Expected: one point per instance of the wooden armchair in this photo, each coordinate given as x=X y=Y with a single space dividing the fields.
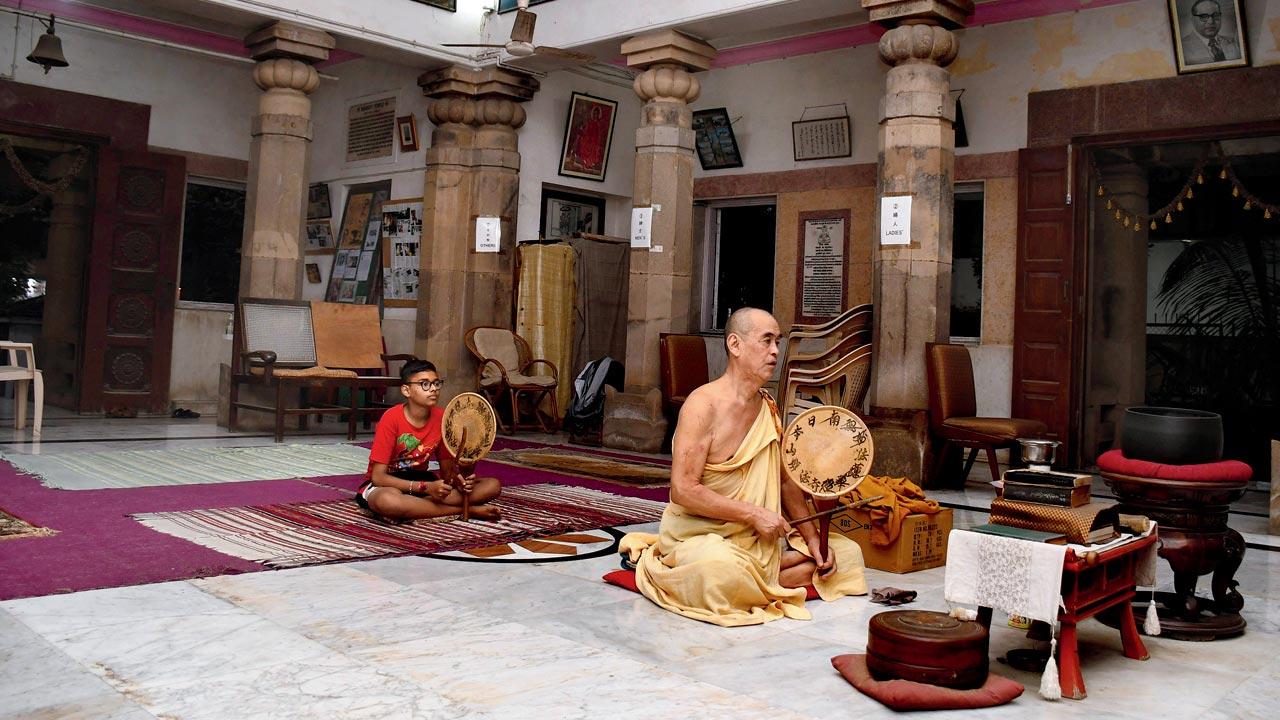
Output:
x=287 y=346
x=953 y=409
x=683 y=367
x=508 y=372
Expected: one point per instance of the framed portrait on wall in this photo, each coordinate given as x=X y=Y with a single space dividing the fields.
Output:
x=714 y=140
x=450 y=5
x=1208 y=34
x=587 y=135
x=564 y=214
x=407 y=133
x=318 y=202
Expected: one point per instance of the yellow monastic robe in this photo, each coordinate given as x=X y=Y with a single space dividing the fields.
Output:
x=722 y=572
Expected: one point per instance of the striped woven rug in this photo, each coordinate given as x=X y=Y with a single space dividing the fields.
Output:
x=189 y=466
x=292 y=535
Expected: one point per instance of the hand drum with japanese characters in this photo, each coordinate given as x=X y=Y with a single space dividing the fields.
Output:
x=827 y=451
x=468 y=415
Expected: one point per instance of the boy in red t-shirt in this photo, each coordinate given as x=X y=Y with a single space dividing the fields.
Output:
x=398 y=484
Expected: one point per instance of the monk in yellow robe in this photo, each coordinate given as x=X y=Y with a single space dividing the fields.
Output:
x=725 y=553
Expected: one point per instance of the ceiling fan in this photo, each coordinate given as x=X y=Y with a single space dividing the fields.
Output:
x=521 y=43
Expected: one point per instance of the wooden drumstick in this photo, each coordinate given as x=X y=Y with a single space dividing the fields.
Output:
x=458 y=469
x=836 y=509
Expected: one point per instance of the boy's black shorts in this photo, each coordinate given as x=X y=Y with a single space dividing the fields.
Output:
x=410 y=475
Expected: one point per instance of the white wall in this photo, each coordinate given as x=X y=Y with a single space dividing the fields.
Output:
x=198 y=103
x=542 y=139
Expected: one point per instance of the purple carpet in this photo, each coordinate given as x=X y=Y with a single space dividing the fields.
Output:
x=98 y=545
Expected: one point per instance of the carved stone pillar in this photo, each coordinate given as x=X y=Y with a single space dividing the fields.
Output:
x=61 y=330
x=276 y=200
x=660 y=280
x=912 y=291
x=473 y=170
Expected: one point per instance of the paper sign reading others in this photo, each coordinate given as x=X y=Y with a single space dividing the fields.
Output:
x=641 y=227
x=488 y=234
x=895 y=220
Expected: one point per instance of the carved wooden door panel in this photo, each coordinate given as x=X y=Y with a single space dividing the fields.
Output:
x=1047 y=329
x=132 y=281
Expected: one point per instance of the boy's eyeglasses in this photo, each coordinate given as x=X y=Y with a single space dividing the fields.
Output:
x=428 y=384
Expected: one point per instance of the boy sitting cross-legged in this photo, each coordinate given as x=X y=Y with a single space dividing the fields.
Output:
x=398 y=484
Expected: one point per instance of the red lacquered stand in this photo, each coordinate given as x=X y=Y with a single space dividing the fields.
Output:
x=1093 y=584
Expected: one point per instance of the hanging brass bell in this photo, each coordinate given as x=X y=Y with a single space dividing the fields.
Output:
x=48 y=50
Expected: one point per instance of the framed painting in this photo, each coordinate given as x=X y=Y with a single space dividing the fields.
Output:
x=1207 y=34
x=564 y=214
x=714 y=140
x=587 y=135
x=318 y=207
x=407 y=132
x=450 y=5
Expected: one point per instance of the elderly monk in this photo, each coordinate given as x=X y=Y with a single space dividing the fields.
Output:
x=725 y=553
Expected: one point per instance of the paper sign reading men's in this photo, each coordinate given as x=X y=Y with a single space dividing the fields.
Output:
x=895 y=220
x=488 y=234
x=641 y=227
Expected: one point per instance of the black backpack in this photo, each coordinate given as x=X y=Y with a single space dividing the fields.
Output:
x=586 y=411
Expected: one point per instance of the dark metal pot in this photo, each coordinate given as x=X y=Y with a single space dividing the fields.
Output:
x=1172 y=436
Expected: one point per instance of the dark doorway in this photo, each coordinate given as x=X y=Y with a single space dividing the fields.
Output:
x=744 y=259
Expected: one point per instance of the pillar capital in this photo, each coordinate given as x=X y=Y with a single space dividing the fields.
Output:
x=668 y=47
x=286 y=74
x=289 y=40
x=946 y=13
x=486 y=83
x=921 y=44
x=490 y=96
x=667 y=82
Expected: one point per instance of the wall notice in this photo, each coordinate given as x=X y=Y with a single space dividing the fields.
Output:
x=823 y=288
x=371 y=129
x=895 y=220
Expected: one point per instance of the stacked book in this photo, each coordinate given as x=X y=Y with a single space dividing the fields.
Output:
x=1054 y=503
x=1047 y=487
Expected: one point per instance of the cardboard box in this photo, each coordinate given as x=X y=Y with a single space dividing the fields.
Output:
x=921 y=545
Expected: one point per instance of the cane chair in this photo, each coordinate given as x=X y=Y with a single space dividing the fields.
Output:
x=508 y=374
x=24 y=375
x=953 y=410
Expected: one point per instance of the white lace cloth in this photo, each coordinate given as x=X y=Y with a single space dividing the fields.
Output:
x=1015 y=576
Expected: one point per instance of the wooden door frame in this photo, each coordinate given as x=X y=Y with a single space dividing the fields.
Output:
x=1200 y=106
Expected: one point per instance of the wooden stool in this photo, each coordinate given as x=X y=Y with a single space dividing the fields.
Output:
x=927 y=647
x=1191 y=504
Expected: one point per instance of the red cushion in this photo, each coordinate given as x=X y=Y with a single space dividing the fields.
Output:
x=904 y=695
x=1223 y=471
x=626 y=579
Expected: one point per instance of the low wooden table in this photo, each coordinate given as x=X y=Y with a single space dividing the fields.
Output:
x=1097 y=583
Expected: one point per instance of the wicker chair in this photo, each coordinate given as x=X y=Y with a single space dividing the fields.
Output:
x=507 y=372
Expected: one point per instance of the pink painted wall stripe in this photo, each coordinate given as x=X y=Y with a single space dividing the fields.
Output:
x=156 y=29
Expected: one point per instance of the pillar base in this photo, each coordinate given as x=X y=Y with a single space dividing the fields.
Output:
x=902 y=444
x=634 y=420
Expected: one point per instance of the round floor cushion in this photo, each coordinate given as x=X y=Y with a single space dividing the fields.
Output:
x=904 y=695
x=927 y=647
x=1223 y=471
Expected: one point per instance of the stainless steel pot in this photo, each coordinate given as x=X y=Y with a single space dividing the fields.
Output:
x=1038 y=452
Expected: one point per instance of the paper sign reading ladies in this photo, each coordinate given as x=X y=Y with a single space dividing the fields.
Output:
x=895 y=220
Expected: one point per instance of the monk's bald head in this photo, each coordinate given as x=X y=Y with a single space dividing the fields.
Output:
x=741 y=322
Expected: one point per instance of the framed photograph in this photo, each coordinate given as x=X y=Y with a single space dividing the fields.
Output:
x=318 y=202
x=564 y=214
x=821 y=139
x=407 y=133
x=313 y=273
x=1208 y=34
x=587 y=135
x=319 y=236
x=450 y=5
x=713 y=137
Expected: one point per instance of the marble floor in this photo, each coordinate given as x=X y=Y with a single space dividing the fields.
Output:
x=438 y=638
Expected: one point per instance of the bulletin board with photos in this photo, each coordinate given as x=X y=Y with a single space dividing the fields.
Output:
x=401 y=252
x=356 y=274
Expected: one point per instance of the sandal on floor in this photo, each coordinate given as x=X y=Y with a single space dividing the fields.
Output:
x=185 y=414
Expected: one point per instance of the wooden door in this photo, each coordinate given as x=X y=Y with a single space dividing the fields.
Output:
x=133 y=272
x=1047 y=327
